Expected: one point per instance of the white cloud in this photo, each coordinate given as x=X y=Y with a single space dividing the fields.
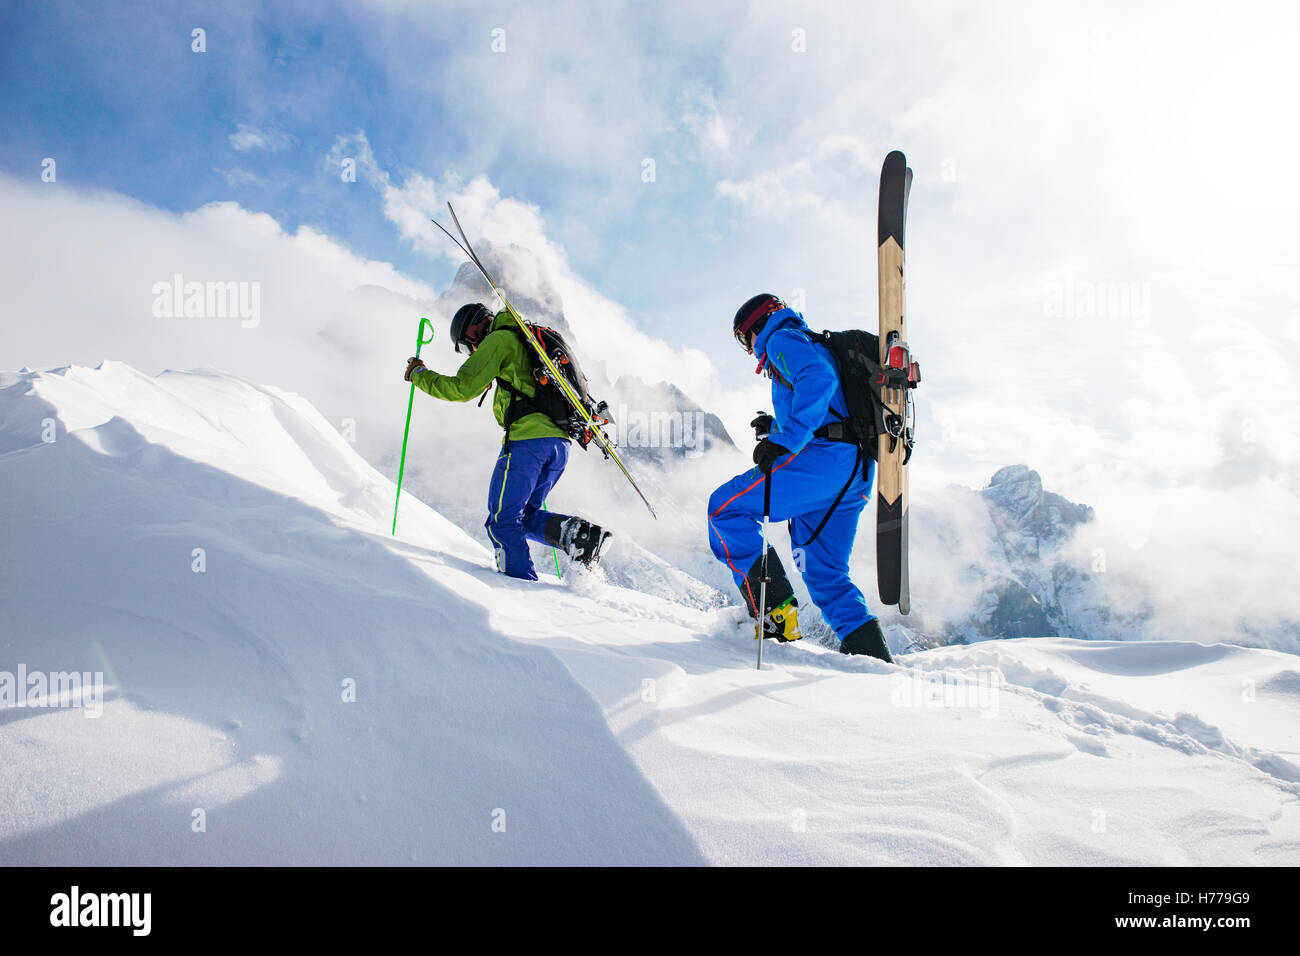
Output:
x=570 y=87
x=246 y=138
x=604 y=327
x=703 y=118
x=237 y=177
x=823 y=183
x=409 y=206
x=334 y=326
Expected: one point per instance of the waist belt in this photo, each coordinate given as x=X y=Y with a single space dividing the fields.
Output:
x=835 y=431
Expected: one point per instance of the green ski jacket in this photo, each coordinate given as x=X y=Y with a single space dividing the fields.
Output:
x=503 y=355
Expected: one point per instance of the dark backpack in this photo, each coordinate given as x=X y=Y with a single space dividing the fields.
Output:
x=855 y=356
x=862 y=377
x=548 y=399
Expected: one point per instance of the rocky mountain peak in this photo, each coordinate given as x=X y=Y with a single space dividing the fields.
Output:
x=1030 y=520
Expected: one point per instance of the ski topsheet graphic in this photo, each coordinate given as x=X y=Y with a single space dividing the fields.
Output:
x=896 y=439
x=593 y=427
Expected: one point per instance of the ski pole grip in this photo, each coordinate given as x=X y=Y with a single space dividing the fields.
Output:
x=420 y=340
x=767 y=494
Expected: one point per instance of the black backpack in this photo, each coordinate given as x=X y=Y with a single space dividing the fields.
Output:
x=862 y=377
x=548 y=399
x=855 y=353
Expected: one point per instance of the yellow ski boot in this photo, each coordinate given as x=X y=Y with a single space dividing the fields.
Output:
x=781 y=623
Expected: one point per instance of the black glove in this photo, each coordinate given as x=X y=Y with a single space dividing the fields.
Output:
x=412 y=364
x=762 y=426
x=766 y=453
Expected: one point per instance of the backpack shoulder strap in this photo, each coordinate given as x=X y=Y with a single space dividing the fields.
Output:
x=518 y=406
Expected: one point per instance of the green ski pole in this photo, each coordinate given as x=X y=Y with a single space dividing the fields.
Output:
x=555 y=554
x=420 y=340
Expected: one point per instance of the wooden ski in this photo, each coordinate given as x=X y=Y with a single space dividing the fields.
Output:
x=896 y=441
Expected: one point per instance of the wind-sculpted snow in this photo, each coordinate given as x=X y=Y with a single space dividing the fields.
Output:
x=284 y=682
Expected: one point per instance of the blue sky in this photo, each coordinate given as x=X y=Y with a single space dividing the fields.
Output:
x=123 y=103
x=116 y=95
x=766 y=125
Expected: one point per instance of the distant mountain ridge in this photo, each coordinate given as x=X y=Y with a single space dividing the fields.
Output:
x=1022 y=578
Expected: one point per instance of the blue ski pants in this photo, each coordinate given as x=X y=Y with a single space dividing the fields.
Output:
x=804 y=486
x=525 y=472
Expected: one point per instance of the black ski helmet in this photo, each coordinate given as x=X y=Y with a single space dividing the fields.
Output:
x=752 y=316
x=465 y=323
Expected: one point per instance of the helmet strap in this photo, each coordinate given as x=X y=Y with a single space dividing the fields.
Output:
x=761 y=311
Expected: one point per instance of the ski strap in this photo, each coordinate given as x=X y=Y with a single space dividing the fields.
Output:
x=834 y=504
x=519 y=405
x=844 y=431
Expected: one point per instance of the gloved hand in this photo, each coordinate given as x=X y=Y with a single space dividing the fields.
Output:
x=766 y=453
x=762 y=425
x=412 y=364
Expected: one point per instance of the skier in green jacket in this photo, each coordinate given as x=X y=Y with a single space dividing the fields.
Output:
x=535 y=449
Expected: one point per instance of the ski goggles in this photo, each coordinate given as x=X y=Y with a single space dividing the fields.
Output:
x=474 y=334
x=761 y=311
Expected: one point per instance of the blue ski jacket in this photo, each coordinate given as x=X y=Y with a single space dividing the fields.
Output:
x=806 y=389
x=818 y=474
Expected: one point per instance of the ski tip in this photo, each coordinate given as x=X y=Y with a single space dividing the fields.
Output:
x=895 y=183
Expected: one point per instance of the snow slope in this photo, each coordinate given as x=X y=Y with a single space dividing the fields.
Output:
x=501 y=722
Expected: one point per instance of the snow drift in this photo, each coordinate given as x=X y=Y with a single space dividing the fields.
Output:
x=286 y=683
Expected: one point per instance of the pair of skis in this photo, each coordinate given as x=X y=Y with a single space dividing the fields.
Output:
x=579 y=406
x=895 y=448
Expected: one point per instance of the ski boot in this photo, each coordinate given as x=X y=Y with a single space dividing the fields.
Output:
x=868 y=639
x=782 y=619
x=580 y=539
x=781 y=623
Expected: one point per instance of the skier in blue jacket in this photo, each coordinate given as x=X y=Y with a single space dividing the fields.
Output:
x=808 y=471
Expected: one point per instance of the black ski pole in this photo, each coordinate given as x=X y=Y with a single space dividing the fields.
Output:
x=762 y=586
